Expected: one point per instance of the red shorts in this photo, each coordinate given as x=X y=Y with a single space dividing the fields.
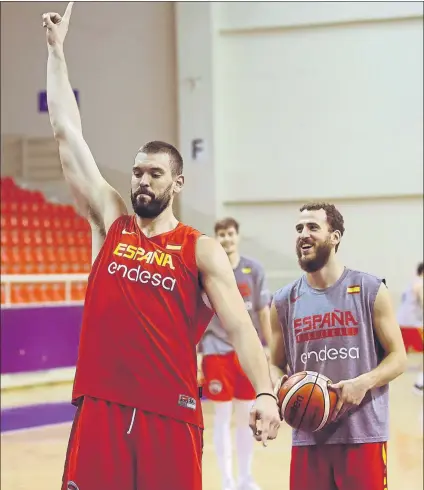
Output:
x=225 y=379
x=412 y=338
x=113 y=447
x=339 y=467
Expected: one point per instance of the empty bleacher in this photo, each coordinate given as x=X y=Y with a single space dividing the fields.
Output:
x=41 y=237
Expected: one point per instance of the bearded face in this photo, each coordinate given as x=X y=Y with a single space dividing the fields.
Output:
x=315 y=240
x=312 y=254
x=148 y=205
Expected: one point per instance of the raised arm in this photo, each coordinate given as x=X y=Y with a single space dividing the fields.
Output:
x=221 y=288
x=95 y=198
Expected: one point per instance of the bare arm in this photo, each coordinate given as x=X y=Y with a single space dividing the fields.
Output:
x=95 y=198
x=277 y=347
x=221 y=288
x=388 y=333
x=265 y=325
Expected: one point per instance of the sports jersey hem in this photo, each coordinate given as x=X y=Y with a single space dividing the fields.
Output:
x=366 y=440
x=77 y=398
x=221 y=354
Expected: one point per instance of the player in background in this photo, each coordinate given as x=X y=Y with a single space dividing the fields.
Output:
x=223 y=378
x=410 y=318
x=139 y=421
x=339 y=322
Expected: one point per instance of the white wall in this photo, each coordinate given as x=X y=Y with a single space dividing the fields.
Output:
x=195 y=42
x=121 y=57
x=316 y=100
x=233 y=16
x=322 y=112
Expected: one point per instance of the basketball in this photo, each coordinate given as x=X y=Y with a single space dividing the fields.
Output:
x=305 y=401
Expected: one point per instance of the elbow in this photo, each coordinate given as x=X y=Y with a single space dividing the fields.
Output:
x=403 y=361
x=57 y=124
x=58 y=132
x=62 y=130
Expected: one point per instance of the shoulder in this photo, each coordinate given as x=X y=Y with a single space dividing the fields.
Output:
x=208 y=249
x=369 y=285
x=211 y=257
x=253 y=264
x=364 y=279
x=282 y=296
x=363 y=276
x=187 y=230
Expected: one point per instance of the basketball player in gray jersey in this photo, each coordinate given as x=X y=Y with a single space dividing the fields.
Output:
x=410 y=317
x=224 y=381
x=341 y=323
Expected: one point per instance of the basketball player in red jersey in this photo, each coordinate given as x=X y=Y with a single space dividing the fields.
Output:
x=139 y=422
x=339 y=322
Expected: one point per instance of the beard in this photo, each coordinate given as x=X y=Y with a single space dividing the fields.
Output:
x=318 y=260
x=155 y=206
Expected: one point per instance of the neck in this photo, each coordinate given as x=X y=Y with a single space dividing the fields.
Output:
x=163 y=223
x=327 y=276
x=234 y=259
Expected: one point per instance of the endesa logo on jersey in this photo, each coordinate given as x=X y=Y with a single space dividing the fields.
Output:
x=329 y=354
x=139 y=274
x=334 y=323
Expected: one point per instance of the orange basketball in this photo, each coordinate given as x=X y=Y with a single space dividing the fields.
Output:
x=306 y=402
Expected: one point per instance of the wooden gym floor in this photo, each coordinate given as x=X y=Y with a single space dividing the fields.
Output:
x=33 y=458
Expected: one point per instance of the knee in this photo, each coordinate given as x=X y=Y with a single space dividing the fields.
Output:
x=223 y=411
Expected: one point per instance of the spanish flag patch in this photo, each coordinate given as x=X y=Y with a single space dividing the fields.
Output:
x=353 y=289
x=173 y=247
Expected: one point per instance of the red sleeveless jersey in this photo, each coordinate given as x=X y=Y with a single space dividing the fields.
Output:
x=143 y=317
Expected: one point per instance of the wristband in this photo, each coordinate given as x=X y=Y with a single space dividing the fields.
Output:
x=268 y=394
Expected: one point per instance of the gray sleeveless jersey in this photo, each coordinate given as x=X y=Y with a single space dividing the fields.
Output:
x=410 y=313
x=250 y=278
x=331 y=331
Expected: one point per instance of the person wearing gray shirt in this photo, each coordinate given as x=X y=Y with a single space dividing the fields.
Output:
x=223 y=379
x=339 y=322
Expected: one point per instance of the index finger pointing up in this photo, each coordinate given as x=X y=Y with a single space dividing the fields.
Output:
x=68 y=11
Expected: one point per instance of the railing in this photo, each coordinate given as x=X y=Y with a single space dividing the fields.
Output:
x=67 y=279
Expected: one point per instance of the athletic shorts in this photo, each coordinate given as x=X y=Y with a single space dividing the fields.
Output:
x=225 y=379
x=412 y=338
x=113 y=447
x=339 y=467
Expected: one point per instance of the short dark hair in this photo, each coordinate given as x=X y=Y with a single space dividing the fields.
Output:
x=334 y=217
x=175 y=157
x=420 y=269
x=225 y=223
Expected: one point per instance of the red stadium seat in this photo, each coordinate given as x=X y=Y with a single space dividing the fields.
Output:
x=41 y=237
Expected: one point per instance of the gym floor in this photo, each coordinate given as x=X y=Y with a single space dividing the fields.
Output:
x=36 y=425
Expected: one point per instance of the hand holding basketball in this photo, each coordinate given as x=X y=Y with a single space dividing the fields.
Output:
x=350 y=394
x=57 y=26
x=264 y=419
x=304 y=400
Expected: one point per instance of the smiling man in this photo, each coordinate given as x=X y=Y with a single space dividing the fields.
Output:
x=339 y=322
